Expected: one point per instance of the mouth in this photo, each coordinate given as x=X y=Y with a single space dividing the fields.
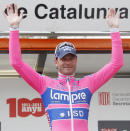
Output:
x=68 y=67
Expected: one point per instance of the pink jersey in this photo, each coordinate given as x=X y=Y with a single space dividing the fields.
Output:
x=66 y=100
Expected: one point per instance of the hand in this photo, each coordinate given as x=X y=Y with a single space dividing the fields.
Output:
x=112 y=19
x=12 y=16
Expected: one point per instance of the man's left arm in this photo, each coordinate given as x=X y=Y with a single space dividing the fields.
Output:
x=116 y=62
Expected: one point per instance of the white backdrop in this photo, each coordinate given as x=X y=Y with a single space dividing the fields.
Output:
x=118 y=91
x=67 y=16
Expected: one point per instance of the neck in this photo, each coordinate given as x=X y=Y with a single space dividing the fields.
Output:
x=64 y=75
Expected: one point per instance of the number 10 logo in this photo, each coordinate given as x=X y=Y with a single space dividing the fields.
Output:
x=24 y=107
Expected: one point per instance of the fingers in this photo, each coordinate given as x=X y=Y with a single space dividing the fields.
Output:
x=114 y=13
x=21 y=15
x=108 y=14
x=4 y=14
x=111 y=13
x=8 y=10
x=16 y=9
x=11 y=9
x=11 y=14
x=112 y=18
x=118 y=16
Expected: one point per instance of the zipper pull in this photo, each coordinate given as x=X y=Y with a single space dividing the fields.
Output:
x=68 y=79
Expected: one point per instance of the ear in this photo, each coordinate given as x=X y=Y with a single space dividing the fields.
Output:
x=55 y=61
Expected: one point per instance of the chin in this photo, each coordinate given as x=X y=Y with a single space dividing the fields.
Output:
x=67 y=72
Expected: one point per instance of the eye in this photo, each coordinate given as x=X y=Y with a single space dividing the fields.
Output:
x=63 y=59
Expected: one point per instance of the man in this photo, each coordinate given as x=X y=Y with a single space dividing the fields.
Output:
x=66 y=100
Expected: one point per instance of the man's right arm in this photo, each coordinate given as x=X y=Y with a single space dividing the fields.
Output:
x=27 y=73
x=34 y=79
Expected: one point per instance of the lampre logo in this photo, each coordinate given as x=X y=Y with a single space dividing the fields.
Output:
x=65 y=96
x=25 y=107
x=104 y=98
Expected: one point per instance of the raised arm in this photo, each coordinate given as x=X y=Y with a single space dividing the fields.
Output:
x=27 y=73
x=103 y=75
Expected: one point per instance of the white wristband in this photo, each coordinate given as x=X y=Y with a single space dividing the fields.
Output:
x=14 y=28
x=114 y=30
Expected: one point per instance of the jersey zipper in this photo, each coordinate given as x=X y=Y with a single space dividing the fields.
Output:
x=70 y=100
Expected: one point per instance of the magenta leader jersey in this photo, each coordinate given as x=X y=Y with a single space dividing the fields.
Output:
x=66 y=100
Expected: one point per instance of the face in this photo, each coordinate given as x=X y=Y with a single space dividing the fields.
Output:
x=67 y=64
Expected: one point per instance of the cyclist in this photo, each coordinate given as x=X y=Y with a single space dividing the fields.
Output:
x=66 y=100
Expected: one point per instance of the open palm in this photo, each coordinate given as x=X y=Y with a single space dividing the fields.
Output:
x=12 y=16
x=112 y=19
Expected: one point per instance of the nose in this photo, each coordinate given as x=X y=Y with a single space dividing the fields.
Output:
x=68 y=61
